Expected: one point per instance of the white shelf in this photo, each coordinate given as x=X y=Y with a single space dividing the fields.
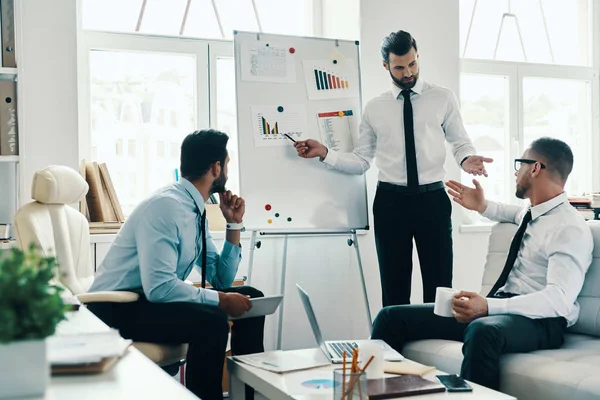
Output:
x=8 y=71
x=10 y=159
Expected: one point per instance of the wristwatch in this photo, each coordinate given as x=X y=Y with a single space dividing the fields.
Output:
x=232 y=226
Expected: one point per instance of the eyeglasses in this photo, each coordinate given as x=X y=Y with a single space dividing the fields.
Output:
x=520 y=161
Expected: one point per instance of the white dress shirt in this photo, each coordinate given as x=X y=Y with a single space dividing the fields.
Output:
x=436 y=119
x=553 y=259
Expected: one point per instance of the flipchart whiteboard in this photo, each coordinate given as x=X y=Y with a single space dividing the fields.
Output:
x=307 y=88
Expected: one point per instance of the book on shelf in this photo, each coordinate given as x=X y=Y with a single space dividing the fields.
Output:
x=101 y=205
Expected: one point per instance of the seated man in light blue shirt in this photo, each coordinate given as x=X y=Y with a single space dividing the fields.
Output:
x=155 y=251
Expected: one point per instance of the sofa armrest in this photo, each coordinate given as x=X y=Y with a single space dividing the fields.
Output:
x=110 y=297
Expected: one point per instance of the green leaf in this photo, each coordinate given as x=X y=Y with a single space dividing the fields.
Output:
x=30 y=305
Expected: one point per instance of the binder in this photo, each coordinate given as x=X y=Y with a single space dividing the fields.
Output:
x=9 y=145
x=7 y=11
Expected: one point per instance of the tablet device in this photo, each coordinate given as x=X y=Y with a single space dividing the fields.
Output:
x=261 y=306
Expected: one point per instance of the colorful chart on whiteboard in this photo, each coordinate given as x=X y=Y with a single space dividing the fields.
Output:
x=328 y=80
x=267 y=63
x=272 y=123
x=336 y=129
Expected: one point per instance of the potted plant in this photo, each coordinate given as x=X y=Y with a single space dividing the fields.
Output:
x=30 y=309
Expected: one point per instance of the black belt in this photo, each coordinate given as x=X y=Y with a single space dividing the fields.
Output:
x=390 y=187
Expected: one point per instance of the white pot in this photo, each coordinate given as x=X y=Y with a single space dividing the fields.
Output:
x=24 y=370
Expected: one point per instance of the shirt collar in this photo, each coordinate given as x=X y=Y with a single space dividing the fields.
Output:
x=543 y=208
x=194 y=193
x=418 y=88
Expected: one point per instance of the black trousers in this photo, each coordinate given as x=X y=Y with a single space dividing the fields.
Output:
x=399 y=218
x=484 y=339
x=204 y=327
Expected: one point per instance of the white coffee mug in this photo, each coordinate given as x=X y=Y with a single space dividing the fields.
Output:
x=375 y=368
x=443 y=301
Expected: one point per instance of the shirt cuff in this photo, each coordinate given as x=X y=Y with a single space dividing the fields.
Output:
x=497 y=306
x=211 y=297
x=490 y=209
x=331 y=157
x=231 y=251
x=460 y=155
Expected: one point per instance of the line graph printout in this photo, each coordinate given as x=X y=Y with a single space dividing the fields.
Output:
x=335 y=128
x=270 y=124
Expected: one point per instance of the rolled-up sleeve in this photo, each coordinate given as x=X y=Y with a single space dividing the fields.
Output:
x=157 y=241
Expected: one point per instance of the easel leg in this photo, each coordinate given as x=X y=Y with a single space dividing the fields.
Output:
x=282 y=291
x=362 y=279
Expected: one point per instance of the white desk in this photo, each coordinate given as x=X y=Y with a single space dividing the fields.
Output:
x=133 y=376
x=289 y=386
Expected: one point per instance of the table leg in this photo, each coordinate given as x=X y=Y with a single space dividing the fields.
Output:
x=237 y=388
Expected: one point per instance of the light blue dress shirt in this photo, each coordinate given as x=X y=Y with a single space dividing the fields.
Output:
x=159 y=245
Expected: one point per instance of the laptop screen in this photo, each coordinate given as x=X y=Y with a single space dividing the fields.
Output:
x=312 y=319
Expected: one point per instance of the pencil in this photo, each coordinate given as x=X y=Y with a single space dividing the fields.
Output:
x=289 y=137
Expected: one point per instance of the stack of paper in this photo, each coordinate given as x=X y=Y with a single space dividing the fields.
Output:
x=282 y=361
x=85 y=348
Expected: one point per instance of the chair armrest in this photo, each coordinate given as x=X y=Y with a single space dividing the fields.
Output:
x=110 y=297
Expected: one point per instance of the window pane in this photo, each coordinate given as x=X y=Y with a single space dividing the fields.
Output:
x=142 y=106
x=202 y=21
x=286 y=17
x=163 y=17
x=226 y=117
x=110 y=15
x=486 y=118
x=547 y=31
x=561 y=108
x=236 y=15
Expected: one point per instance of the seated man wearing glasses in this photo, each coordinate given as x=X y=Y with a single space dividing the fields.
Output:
x=534 y=299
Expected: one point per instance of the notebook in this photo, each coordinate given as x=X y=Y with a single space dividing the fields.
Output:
x=401 y=386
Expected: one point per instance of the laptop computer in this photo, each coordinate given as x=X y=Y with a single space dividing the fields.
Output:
x=334 y=349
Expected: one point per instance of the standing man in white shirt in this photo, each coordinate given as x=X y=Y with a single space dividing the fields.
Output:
x=535 y=298
x=405 y=129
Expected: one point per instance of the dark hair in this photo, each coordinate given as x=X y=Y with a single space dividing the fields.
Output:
x=200 y=150
x=557 y=155
x=398 y=43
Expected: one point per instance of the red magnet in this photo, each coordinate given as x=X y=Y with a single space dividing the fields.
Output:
x=268 y=207
x=292 y=50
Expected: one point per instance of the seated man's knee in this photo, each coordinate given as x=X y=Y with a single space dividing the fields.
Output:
x=481 y=329
x=381 y=323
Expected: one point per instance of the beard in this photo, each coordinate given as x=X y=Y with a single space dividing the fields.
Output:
x=521 y=190
x=404 y=84
x=218 y=185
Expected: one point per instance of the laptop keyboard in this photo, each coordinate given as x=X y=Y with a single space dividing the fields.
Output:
x=339 y=347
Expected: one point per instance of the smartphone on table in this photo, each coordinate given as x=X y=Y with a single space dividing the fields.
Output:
x=454 y=383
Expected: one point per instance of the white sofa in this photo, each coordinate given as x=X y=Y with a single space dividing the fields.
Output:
x=571 y=372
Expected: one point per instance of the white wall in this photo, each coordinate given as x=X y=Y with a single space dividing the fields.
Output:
x=47 y=98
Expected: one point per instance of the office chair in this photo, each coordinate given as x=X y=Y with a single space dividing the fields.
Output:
x=61 y=231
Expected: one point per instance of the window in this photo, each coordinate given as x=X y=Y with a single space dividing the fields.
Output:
x=539 y=81
x=147 y=80
x=209 y=19
x=143 y=102
x=537 y=31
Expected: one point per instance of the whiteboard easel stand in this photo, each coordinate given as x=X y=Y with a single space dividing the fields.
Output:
x=353 y=241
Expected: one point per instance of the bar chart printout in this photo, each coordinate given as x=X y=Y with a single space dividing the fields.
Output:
x=270 y=125
x=336 y=130
x=326 y=80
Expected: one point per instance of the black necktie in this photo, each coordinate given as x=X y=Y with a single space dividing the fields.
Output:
x=203 y=252
x=512 y=254
x=412 y=174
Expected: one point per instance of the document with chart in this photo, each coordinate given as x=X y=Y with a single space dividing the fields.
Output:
x=336 y=129
x=328 y=80
x=271 y=123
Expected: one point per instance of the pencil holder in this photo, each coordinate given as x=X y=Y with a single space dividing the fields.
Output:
x=349 y=386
